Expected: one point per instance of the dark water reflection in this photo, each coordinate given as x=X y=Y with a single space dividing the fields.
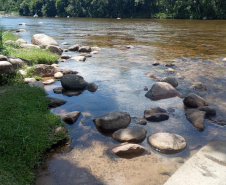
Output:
x=196 y=47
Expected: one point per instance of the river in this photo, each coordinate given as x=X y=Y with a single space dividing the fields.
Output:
x=195 y=47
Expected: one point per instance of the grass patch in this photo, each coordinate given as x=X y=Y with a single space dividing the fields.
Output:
x=8 y=36
x=27 y=130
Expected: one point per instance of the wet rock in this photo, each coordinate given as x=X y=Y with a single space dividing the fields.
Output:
x=92 y=87
x=58 y=75
x=95 y=49
x=129 y=46
x=43 y=40
x=6 y=67
x=131 y=135
x=193 y=101
x=196 y=117
x=170 y=70
x=170 y=80
x=79 y=58
x=58 y=90
x=3 y=58
x=129 y=150
x=198 y=86
x=67 y=71
x=28 y=80
x=74 y=47
x=113 y=121
x=66 y=50
x=161 y=90
x=16 y=62
x=73 y=82
x=85 y=55
x=145 y=88
x=142 y=122
x=84 y=49
x=71 y=93
x=21 y=41
x=55 y=102
x=37 y=84
x=167 y=143
x=156 y=114
x=170 y=65
x=54 y=49
x=155 y=63
x=64 y=43
x=48 y=82
x=21 y=30
x=66 y=56
x=29 y=46
x=44 y=70
x=210 y=111
x=71 y=117
x=23 y=24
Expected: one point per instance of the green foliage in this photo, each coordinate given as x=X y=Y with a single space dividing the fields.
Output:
x=27 y=130
x=11 y=78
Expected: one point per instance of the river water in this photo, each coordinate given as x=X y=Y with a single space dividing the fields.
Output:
x=195 y=47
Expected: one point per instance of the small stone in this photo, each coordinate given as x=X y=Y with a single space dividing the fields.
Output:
x=84 y=49
x=58 y=90
x=58 y=75
x=73 y=82
x=71 y=117
x=21 y=30
x=22 y=72
x=170 y=70
x=16 y=62
x=85 y=55
x=63 y=60
x=55 y=102
x=193 y=101
x=198 y=86
x=21 y=41
x=197 y=118
x=92 y=87
x=170 y=65
x=79 y=58
x=48 y=82
x=145 y=88
x=74 y=47
x=94 y=52
x=130 y=47
x=55 y=65
x=170 y=80
x=142 y=122
x=95 y=49
x=65 y=56
x=64 y=43
x=54 y=49
x=23 y=24
x=66 y=50
x=210 y=111
x=155 y=63
x=156 y=114
x=28 y=80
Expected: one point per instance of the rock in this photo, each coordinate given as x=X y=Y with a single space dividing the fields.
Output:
x=113 y=121
x=161 y=90
x=142 y=122
x=21 y=41
x=167 y=143
x=129 y=150
x=66 y=56
x=22 y=72
x=58 y=90
x=71 y=93
x=145 y=88
x=170 y=65
x=21 y=30
x=210 y=111
x=48 y=82
x=43 y=40
x=37 y=84
x=29 y=46
x=63 y=60
x=130 y=47
x=79 y=58
x=170 y=80
x=95 y=49
x=155 y=63
x=54 y=49
x=55 y=102
x=156 y=114
x=85 y=55
x=73 y=82
x=92 y=87
x=94 y=52
x=71 y=117
x=55 y=65
x=224 y=59
x=84 y=49
x=64 y=43
x=196 y=117
x=74 y=47
x=23 y=24
x=66 y=50
x=198 y=86
x=16 y=62
x=170 y=70
x=44 y=70
x=3 y=58
x=193 y=101
x=58 y=75
x=67 y=71
x=131 y=135
x=28 y=80
x=6 y=67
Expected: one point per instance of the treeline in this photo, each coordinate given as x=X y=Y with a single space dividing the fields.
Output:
x=177 y=9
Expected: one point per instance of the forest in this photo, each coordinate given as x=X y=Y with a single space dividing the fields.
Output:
x=171 y=9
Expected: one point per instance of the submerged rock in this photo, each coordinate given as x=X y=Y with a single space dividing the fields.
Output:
x=199 y=86
x=193 y=101
x=71 y=117
x=156 y=114
x=73 y=82
x=170 y=80
x=210 y=111
x=142 y=122
x=55 y=102
x=113 y=121
x=167 y=143
x=92 y=87
x=58 y=90
x=43 y=40
x=131 y=135
x=197 y=118
x=161 y=90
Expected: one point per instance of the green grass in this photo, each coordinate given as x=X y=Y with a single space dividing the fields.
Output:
x=26 y=132
x=8 y=36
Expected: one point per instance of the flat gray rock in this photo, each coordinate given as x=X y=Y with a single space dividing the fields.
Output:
x=55 y=102
x=131 y=135
x=73 y=82
x=197 y=118
x=113 y=121
x=193 y=101
x=162 y=90
x=156 y=114
x=167 y=143
x=43 y=40
x=71 y=117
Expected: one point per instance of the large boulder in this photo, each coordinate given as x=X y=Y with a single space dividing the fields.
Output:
x=71 y=117
x=131 y=135
x=193 y=101
x=129 y=150
x=44 y=70
x=197 y=118
x=167 y=143
x=43 y=40
x=84 y=49
x=73 y=82
x=162 y=90
x=16 y=62
x=156 y=114
x=113 y=121
x=170 y=80
x=6 y=67
x=74 y=47
x=55 y=49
